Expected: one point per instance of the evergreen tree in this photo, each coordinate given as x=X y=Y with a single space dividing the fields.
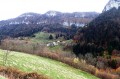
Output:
x=50 y=37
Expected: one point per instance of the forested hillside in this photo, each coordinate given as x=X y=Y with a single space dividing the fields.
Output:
x=99 y=42
x=103 y=33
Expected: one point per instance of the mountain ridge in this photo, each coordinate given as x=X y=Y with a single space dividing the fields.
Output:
x=65 y=19
x=29 y=23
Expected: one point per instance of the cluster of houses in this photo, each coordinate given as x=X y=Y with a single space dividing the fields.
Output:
x=54 y=43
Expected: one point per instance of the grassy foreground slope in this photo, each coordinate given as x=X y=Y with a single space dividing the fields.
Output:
x=51 y=68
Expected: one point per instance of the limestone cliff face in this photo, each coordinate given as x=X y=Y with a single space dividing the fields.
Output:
x=112 y=4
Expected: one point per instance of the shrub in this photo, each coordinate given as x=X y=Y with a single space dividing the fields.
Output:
x=90 y=59
x=50 y=37
x=13 y=73
x=100 y=65
x=105 y=75
x=112 y=64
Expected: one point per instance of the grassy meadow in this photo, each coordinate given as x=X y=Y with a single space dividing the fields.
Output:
x=51 y=68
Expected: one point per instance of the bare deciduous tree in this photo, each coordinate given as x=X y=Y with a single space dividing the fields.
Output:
x=6 y=53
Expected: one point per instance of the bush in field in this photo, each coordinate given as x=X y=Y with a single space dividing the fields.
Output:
x=90 y=59
x=76 y=49
x=100 y=65
x=81 y=56
x=13 y=73
x=112 y=64
x=104 y=75
x=50 y=37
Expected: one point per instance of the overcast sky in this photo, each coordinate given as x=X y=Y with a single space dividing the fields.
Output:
x=13 y=8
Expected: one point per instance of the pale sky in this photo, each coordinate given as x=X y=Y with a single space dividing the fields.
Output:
x=14 y=8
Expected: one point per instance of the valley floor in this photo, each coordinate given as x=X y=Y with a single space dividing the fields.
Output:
x=51 y=68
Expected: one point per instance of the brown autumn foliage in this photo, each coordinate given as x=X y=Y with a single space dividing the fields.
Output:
x=81 y=66
x=12 y=73
x=118 y=70
x=104 y=75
